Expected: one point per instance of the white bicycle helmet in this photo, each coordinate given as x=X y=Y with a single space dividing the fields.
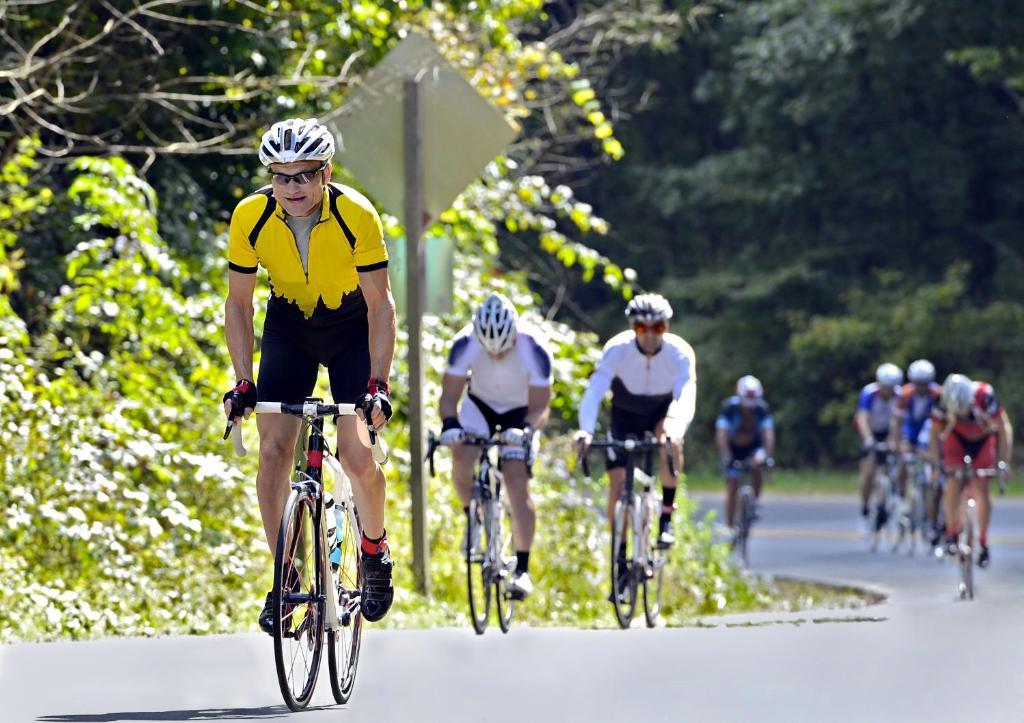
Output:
x=889 y=374
x=296 y=139
x=921 y=371
x=957 y=394
x=648 y=308
x=749 y=389
x=495 y=324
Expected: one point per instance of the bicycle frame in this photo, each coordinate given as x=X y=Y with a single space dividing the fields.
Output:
x=329 y=590
x=638 y=509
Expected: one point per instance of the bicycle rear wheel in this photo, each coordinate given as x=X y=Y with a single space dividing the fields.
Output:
x=478 y=569
x=505 y=564
x=298 y=600
x=344 y=643
x=624 y=581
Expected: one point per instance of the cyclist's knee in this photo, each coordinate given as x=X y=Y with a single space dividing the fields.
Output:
x=359 y=463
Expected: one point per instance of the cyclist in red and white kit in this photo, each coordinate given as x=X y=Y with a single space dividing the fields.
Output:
x=968 y=420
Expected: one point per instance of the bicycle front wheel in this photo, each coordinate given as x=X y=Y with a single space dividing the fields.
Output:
x=744 y=514
x=653 y=576
x=504 y=560
x=343 y=643
x=624 y=582
x=298 y=599
x=478 y=568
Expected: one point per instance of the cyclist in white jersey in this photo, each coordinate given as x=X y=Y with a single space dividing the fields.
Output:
x=509 y=377
x=653 y=379
x=876 y=408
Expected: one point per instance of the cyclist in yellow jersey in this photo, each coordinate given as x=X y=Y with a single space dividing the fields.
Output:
x=331 y=304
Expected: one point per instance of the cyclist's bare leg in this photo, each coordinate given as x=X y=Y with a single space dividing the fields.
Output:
x=904 y=469
x=524 y=517
x=756 y=478
x=278 y=435
x=984 y=501
x=953 y=486
x=731 y=485
x=368 y=484
x=867 y=471
x=616 y=479
x=462 y=472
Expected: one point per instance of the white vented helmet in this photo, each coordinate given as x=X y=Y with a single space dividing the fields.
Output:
x=648 y=308
x=495 y=324
x=921 y=371
x=749 y=389
x=296 y=139
x=889 y=374
x=957 y=394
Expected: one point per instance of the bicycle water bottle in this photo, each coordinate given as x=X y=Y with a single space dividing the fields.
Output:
x=333 y=530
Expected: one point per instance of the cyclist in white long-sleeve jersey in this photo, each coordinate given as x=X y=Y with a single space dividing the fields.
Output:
x=652 y=376
x=509 y=377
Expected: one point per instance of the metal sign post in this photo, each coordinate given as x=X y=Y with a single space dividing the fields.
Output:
x=414 y=276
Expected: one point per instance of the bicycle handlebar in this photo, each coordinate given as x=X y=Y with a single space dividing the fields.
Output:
x=310 y=411
x=629 y=446
x=470 y=440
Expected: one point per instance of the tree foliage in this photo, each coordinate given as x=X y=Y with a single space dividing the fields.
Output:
x=839 y=176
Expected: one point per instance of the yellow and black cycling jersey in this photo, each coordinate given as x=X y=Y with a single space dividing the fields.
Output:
x=347 y=239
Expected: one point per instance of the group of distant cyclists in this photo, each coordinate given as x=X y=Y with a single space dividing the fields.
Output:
x=940 y=426
x=331 y=304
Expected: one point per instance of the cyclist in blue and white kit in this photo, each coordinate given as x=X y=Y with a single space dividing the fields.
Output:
x=874 y=422
x=509 y=377
x=653 y=379
x=912 y=417
x=744 y=431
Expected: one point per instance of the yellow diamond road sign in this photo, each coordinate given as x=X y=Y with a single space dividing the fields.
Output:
x=462 y=131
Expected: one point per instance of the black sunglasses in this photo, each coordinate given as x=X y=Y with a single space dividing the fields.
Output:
x=301 y=178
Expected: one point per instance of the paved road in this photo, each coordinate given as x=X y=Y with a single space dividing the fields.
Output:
x=923 y=657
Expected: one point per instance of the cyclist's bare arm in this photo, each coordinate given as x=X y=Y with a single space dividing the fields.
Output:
x=538 y=407
x=451 y=392
x=722 y=441
x=238 y=329
x=1004 y=437
x=380 y=315
x=934 y=448
x=861 y=420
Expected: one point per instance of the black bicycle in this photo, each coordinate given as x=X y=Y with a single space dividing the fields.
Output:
x=306 y=604
x=490 y=557
x=746 y=505
x=637 y=561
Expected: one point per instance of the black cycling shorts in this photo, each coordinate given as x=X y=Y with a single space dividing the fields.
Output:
x=742 y=453
x=294 y=347
x=625 y=423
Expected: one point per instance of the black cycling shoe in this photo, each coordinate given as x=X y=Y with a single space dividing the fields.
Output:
x=621 y=591
x=665 y=537
x=267 y=616
x=983 y=558
x=377 y=593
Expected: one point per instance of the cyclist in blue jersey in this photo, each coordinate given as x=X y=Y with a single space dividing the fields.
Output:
x=874 y=422
x=744 y=432
x=913 y=411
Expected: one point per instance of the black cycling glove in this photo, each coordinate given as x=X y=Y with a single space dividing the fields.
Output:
x=242 y=397
x=377 y=392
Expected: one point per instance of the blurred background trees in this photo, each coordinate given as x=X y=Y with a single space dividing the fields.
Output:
x=817 y=187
